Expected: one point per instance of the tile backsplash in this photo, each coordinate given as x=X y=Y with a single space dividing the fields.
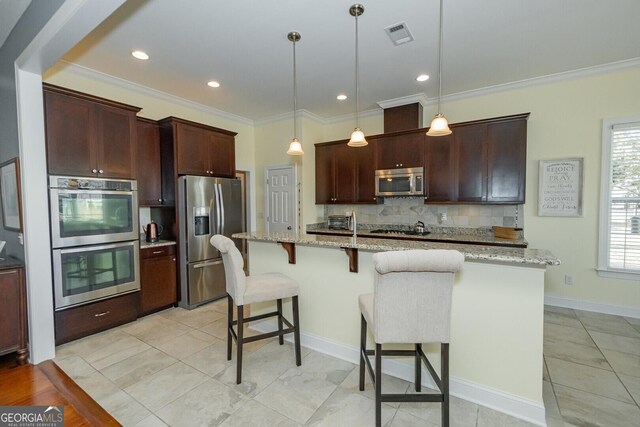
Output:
x=409 y=210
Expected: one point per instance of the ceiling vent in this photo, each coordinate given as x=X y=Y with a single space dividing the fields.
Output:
x=399 y=33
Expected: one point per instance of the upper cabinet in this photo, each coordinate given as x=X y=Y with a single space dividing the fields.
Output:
x=480 y=162
x=149 y=178
x=89 y=136
x=199 y=149
x=344 y=174
x=400 y=151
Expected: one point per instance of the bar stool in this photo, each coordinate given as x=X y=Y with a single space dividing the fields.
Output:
x=243 y=289
x=411 y=304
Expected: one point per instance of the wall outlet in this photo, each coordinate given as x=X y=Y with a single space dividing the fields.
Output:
x=442 y=217
x=568 y=280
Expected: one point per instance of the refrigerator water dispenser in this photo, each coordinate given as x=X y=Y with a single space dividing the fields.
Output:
x=201 y=221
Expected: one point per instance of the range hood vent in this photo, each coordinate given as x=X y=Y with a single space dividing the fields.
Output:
x=399 y=33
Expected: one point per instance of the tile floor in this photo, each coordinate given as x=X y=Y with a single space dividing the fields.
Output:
x=171 y=369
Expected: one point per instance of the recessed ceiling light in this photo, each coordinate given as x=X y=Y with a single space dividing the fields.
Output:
x=422 y=78
x=341 y=97
x=138 y=54
x=213 y=83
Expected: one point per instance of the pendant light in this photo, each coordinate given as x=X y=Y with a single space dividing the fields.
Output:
x=295 y=148
x=357 y=137
x=439 y=124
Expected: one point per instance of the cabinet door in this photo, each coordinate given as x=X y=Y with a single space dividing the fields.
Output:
x=193 y=150
x=440 y=169
x=471 y=163
x=365 y=173
x=506 y=155
x=157 y=283
x=345 y=173
x=401 y=151
x=148 y=157
x=222 y=161
x=70 y=135
x=10 y=320
x=324 y=175
x=116 y=142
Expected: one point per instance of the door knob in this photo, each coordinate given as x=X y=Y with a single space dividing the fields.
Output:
x=289 y=228
x=94 y=170
x=100 y=171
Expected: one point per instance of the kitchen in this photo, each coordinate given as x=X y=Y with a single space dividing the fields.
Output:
x=613 y=88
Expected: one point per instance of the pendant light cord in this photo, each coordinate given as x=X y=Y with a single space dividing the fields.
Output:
x=440 y=60
x=295 y=91
x=357 y=77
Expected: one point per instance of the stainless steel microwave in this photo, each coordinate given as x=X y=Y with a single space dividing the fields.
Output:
x=400 y=182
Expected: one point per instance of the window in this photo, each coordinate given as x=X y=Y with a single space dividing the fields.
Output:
x=619 y=254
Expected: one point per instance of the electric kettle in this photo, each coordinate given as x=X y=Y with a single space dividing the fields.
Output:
x=152 y=232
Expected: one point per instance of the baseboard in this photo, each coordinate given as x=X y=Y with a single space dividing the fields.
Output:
x=598 y=307
x=498 y=400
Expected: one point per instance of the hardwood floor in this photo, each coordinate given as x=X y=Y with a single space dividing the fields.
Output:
x=46 y=384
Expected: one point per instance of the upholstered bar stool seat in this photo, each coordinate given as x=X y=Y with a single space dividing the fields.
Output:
x=243 y=289
x=411 y=304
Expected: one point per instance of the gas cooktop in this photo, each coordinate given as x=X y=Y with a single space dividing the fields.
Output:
x=400 y=232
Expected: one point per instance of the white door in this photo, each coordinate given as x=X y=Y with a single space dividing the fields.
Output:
x=280 y=198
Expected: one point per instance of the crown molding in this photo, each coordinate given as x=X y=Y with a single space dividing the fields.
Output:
x=287 y=115
x=352 y=116
x=145 y=90
x=403 y=100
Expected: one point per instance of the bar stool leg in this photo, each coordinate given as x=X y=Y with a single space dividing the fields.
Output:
x=418 y=383
x=280 y=338
x=239 y=343
x=296 y=332
x=363 y=349
x=444 y=355
x=229 y=325
x=378 y=385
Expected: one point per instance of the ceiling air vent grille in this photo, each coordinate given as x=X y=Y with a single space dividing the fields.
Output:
x=399 y=33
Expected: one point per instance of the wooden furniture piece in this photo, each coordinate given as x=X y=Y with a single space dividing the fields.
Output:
x=89 y=136
x=148 y=159
x=158 y=288
x=258 y=288
x=46 y=384
x=400 y=150
x=345 y=174
x=403 y=117
x=87 y=319
x=394 y=317
x=13 y=310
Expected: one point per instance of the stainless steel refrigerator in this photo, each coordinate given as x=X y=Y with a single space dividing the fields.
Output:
x=207 y=206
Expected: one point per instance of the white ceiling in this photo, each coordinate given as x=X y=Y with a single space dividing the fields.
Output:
x=243 y=45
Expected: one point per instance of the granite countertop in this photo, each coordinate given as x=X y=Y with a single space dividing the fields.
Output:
x=144 y=244
x=472 y=252
x=436 y=235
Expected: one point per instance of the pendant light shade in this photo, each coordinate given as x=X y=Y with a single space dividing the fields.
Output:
x=295 y=147
x=357 y=136
x=439 y=124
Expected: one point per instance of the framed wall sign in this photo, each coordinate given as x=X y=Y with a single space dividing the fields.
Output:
x=560 y=187
x=11 y=201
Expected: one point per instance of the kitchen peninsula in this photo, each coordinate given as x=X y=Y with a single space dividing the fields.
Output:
x=497 y=313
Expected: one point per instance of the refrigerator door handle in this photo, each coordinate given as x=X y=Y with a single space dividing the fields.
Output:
x=222 y=218
x=207 y=264
x=216 y=191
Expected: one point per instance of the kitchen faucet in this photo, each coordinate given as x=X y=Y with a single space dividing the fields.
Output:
x=353 y=222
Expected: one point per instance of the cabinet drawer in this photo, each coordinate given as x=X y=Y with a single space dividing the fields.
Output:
x=78 y=322
x=157 y=251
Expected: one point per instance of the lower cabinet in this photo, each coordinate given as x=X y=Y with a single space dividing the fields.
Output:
x=158 y=287
x=78 y=322
x=13 y=310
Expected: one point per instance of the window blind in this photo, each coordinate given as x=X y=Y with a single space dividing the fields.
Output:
x=624 y=198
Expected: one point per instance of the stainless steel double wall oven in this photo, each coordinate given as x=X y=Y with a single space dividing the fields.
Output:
x=95 y=238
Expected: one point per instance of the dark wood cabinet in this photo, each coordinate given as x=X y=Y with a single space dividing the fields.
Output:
x=149 y=172
x=439 y=169
x=199 y=149
x=400 y=151
x=89 y=136
x=84 y=320
x=344 y=174
x=158 y=287
x=13 y=310
x=480 y=162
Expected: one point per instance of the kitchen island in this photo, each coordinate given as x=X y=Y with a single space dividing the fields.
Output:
x=497 y=313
